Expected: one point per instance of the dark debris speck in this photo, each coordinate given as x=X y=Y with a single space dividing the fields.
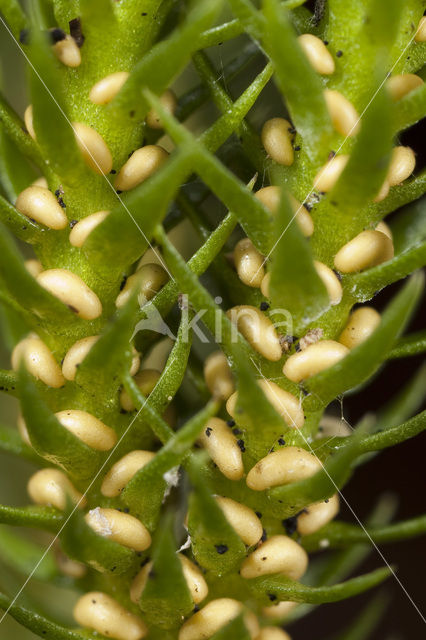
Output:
x=76 y=32
x=221 y=548
x=240 y=443
x=290 y=525
x=338 y=274
x=24 y=36
x=56 y=35
x=264 y=306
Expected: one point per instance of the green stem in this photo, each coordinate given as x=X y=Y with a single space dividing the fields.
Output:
x=40 y=517
x=340 y=535
x=228 y=30
x=411 y=345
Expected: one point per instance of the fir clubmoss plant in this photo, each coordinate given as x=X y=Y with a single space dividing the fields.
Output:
x=183 y=506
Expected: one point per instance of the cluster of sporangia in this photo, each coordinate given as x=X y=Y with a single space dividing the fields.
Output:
x=279 y=553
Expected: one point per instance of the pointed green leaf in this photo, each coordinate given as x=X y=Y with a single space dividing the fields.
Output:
x=295 y=286
x=24 y=555
x=250 y=212
x=387 y=436
x=392 y=436
x=52 y=125
x=410 y=109
x=49 y=438
x=165 y=60
x=174 y=369
x=367 y=284
x=195 y=97
x=253 y=408
x=215 y=544
x=15 y=171
x=145 y=412
x=81 y=543
x=286 y=589
x=364 y=173
x=411 y=345
x=233 y=122
x=220 y=33
x=13 y=126
x=19 y=224
x=199 y=297
x=111 y=354
x=34 y=516
x=144 y=493
x=124 y=235
x=254 y=218
x=361 y=362
x=166 y=599
x=299 y=83
x=249 y=137
x=38 y=624
x=343 y=534
x=228 y=30
x=164 y=300
x=27 y=292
